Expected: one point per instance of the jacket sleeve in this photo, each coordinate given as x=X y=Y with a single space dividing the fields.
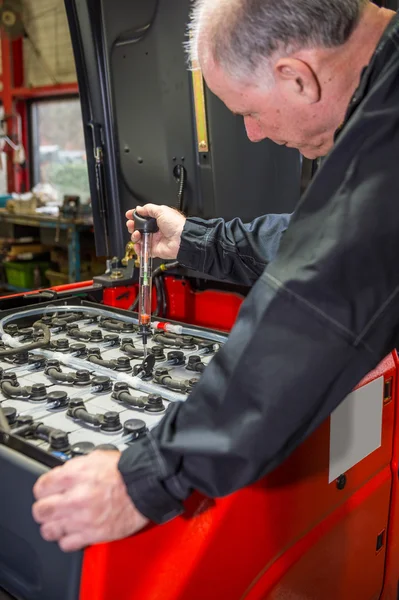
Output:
x=323 y=314
x=234 y=251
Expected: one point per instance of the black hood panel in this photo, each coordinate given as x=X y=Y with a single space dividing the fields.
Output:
x=138 y=112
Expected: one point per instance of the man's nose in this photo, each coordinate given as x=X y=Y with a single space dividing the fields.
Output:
x=253 y=130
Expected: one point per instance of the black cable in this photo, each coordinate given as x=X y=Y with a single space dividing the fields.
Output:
x=82 y=414
x=125 y=397
x=58 y=375
x=181 y=173
x=14 y=391
x=158 y=310
x=158 y=275
x=158 y=271
x=155 y=313
x=116 y=326
x=76 y=334
x=168 y=266
x=132 y=351
x=135 y=303
x=34 y=345
x=164 y=301
x=168 y=342
x=172 y=384
x=108 y=364
x=61 y=320
x=161 y=300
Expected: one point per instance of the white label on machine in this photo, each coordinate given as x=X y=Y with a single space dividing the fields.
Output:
x=356 y=428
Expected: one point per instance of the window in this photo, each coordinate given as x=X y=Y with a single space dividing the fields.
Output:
x=59 y=154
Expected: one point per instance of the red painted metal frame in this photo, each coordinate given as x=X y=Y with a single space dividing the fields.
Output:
x=22 y=173
x=46 y=91
x=8 y=106
x=72 y=287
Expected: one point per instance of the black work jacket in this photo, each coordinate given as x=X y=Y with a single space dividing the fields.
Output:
x=318 y=318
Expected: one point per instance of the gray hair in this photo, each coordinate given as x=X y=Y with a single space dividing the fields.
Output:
x=241 y=34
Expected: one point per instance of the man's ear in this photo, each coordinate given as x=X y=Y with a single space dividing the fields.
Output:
x=297 y=80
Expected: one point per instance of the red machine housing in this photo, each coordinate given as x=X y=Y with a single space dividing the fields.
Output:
x=209 y=308
x=292 y=535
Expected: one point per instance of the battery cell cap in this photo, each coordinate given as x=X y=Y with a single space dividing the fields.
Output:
x=82 y=448
x=58 y=398
x=59 y=440
x=10 y=414
x=78 y=349
x=134 y=428
x=101 y=384
x=106 y=447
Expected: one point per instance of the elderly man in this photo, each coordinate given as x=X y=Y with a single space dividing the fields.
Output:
x=320 y=77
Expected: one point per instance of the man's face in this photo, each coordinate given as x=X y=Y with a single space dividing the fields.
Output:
x=274 y=113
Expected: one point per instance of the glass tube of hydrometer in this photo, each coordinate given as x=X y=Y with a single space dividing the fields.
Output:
x=145 y=286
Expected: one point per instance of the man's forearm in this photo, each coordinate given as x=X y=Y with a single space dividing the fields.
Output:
x=234 y=251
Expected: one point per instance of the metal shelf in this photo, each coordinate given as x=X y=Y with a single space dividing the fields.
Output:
x=74 y=227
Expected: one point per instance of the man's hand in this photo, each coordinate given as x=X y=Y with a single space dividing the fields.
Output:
x=85 y=502
x=165 y=243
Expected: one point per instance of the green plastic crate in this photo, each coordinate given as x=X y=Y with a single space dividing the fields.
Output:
x=22 y=274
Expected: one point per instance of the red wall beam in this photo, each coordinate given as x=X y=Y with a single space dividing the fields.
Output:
x=17 y=58
x=8 y=105
x=22 y=172
x=61 y=89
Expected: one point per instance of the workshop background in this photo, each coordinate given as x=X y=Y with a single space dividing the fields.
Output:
x=46 y=230
x=46 y=224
